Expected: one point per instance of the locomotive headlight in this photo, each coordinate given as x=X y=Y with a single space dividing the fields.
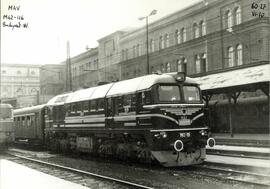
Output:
x=163 y=134
x=203 y=133
x=183 y=135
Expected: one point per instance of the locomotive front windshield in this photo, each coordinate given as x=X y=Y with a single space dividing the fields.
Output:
x=169 y=93
x=172 y=93
x=191 y=94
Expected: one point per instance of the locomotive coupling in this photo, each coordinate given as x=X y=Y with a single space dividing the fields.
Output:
x=211 y=142
x=178 y=145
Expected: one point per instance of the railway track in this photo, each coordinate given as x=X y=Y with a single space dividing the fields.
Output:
x=84 y=178
x=256 y=179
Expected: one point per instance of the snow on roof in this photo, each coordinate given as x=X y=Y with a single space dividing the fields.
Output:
x=239 y=77
x=89 y=94
x=142 y=83
x=27 y=110
x=81 y=95
x=59 y=99
x=117 y=88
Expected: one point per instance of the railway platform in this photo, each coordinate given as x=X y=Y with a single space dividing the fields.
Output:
x=250 y=140
x=13 y=175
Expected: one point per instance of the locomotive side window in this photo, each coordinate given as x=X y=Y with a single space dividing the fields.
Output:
x=120 y=104
x=127 y=100
x=191 y=94
x=86 y=106
x=168 y=93
x=100 y=105
x=145 y=97
x=93 y=105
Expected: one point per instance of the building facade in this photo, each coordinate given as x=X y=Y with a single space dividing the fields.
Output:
x=52 y=78
x=20 y=82
x=209 y=37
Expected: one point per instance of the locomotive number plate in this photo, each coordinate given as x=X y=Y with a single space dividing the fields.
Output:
x=184 y=121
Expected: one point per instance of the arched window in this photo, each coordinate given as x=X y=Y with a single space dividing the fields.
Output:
x=228 y=19
x=152 y=69
x=182 y=65
x=230 y=57
x=19 y=72
x=152 y=45
x=183 y=35
x=195 y=30
x=237 y=13
x=122 y=56
x=202 y=28
x=139 y=50
x=161 y=42
x=33 y=72
x=177 y=37
x=162 y=69
x=197 y=64
x=167 y=44
x=134 y=51
x=168 y=67
x=239 y=54
x=204 y=65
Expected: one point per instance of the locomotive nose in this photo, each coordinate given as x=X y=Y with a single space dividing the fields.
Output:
x=211 y=142
x=178 y=145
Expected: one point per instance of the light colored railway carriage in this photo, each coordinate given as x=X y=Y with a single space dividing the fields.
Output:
x=158 y=116
x=6 y=125
x=29 y=125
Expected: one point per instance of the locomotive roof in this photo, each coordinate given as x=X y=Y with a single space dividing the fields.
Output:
x=117 y=88
x=59 y=99
x=28 y=110
x=90 y=93
x=5 y=106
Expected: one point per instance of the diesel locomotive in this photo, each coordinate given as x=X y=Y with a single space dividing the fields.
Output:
x=157 y=117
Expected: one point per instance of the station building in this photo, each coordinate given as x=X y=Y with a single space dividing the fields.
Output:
x=20 y=84
x=208 y=38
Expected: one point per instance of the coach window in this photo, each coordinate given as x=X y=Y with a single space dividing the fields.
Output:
x=23 y=121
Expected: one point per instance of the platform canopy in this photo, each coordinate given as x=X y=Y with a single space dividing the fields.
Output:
x=245 y=79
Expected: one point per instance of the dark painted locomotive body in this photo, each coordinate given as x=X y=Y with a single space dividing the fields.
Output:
x=154 y=117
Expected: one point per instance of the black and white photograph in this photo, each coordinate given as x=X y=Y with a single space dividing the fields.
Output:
x=147 y=94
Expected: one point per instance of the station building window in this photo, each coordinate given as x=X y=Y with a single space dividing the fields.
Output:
x=182 y=65
x=152 y=45
x=197 y=64
x=195 y=31
x=161 y=42
x=239 y=54
x=202 y=28
x=228 y=19
x=230 y=56
x=177 y=37
x=237 y=13
x=168 y=67
x=204 y=65
x=183 y=35
x=167 y=43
